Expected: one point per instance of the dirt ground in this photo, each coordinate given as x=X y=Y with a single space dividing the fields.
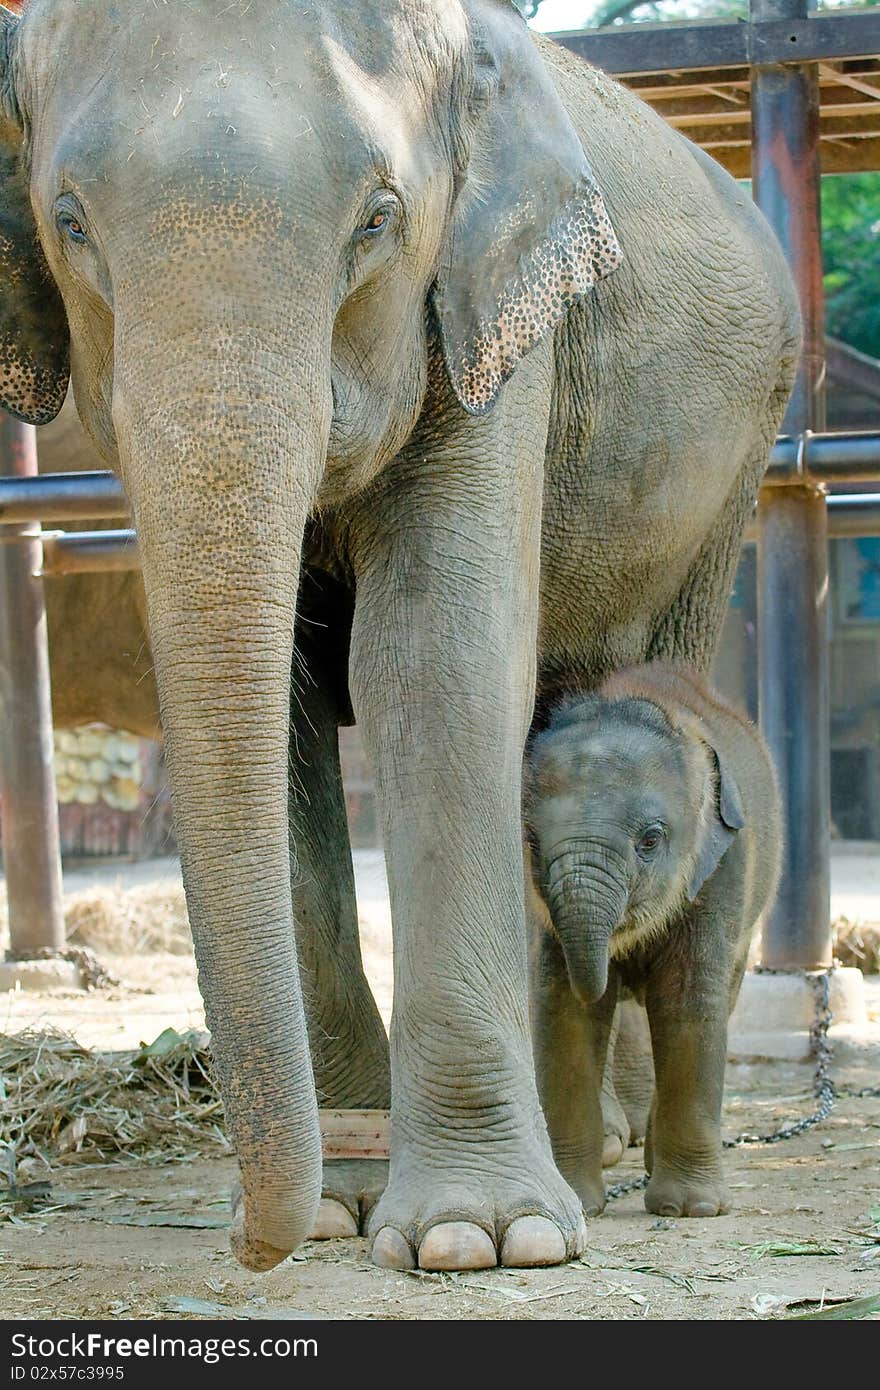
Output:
x=133 y=1239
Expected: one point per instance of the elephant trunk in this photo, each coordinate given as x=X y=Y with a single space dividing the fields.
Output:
x=587 y=901
x=221 y=475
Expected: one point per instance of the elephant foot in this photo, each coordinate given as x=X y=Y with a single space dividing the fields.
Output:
x=460 y=1220
x=587 y=1182
x=673 y=1193
x=351 y=1188
x=615 y=1130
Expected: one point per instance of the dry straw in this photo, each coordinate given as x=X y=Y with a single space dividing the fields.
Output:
x=858 y=944
x=63 y=1104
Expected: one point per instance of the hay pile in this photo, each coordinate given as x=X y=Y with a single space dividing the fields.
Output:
x=858 y=944
x=119 y=921
x=62 y=1104
x=128 y=921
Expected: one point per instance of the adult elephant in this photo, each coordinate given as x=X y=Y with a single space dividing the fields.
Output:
x=332 y=283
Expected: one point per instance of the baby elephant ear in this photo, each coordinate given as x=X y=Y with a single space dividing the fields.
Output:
x=34 y=338
x=529 y=234
x=724 y=819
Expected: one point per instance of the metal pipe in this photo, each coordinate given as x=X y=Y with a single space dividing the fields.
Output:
x=824 y=458
x=94 y=552
x=793 y=652
x=31 y=851
x=849 y=517
x=62 y=497
x=89 y=552
x=813 y=456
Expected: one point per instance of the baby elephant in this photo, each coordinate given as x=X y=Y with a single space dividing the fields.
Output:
x=653 y=828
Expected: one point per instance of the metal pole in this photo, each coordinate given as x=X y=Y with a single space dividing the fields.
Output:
x=62 y=497
x=793 y=524
x=90 y=552
x=31 y=854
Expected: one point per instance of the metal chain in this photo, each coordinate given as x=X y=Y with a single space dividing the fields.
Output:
x=823 y=1086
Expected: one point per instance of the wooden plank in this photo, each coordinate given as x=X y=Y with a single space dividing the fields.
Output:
x=689 y=46
x=838 y=156
x=857 y=84
x=355 y=1133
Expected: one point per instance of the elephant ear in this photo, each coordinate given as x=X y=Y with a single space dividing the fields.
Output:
x=725 y=817
x=529 y=233
x=34 y=337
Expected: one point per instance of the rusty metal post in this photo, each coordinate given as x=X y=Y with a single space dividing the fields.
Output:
x=793 y=523
x=31 y=856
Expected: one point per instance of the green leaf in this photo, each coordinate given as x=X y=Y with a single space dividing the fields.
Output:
x=166 y=1042
x=843 y=1312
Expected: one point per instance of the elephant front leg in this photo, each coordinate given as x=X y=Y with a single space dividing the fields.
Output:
x=687 y=1002
x=571 y=1046
x=347 y=1038
x=443 y=653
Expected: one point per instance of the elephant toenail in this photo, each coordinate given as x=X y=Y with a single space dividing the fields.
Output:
x=457 y=1245
x=704 y=1209
x=391 y=1251
x=580 y=1240
x=333 y=1221
x=533 y=1240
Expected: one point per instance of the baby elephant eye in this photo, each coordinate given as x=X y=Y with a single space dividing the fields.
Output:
x=72 y=227
x=650 y=841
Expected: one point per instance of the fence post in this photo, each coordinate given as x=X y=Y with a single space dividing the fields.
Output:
x=31 y=854
x=793 y=523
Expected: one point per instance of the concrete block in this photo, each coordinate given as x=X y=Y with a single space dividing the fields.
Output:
x=39 y=976
x=774 y=1013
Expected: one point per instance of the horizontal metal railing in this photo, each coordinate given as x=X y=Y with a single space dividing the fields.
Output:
x=841 y=459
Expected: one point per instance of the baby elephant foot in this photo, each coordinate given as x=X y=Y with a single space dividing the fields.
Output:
x=453 y=1222
x=680 y=1194
x=351 y=1188
x=615 y=1129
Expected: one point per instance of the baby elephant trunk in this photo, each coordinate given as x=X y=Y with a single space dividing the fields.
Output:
x=586 y=903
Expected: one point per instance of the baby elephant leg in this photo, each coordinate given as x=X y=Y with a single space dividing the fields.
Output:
x=615 y=1124
x=687 y=1002
x=633 y=1067
x=571 y=1043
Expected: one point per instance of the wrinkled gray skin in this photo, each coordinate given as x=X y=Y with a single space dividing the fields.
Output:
x=295 y=250
x=655 y=836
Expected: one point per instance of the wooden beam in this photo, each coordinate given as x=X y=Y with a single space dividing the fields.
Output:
x=861 y=155
x=676 y=47
x=355 y=1133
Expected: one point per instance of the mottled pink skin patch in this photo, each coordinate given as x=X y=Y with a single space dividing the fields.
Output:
x=580 y=250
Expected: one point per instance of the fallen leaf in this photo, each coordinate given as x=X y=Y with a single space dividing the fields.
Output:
x=201 y=1308
x=843 y=1312
x=167 y=1218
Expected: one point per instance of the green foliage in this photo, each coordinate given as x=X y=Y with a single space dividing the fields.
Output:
x=851 y=253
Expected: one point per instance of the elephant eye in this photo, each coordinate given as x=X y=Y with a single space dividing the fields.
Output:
x=650 y=841
x=378 y=219
x=71 y=225
x=377 y=223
